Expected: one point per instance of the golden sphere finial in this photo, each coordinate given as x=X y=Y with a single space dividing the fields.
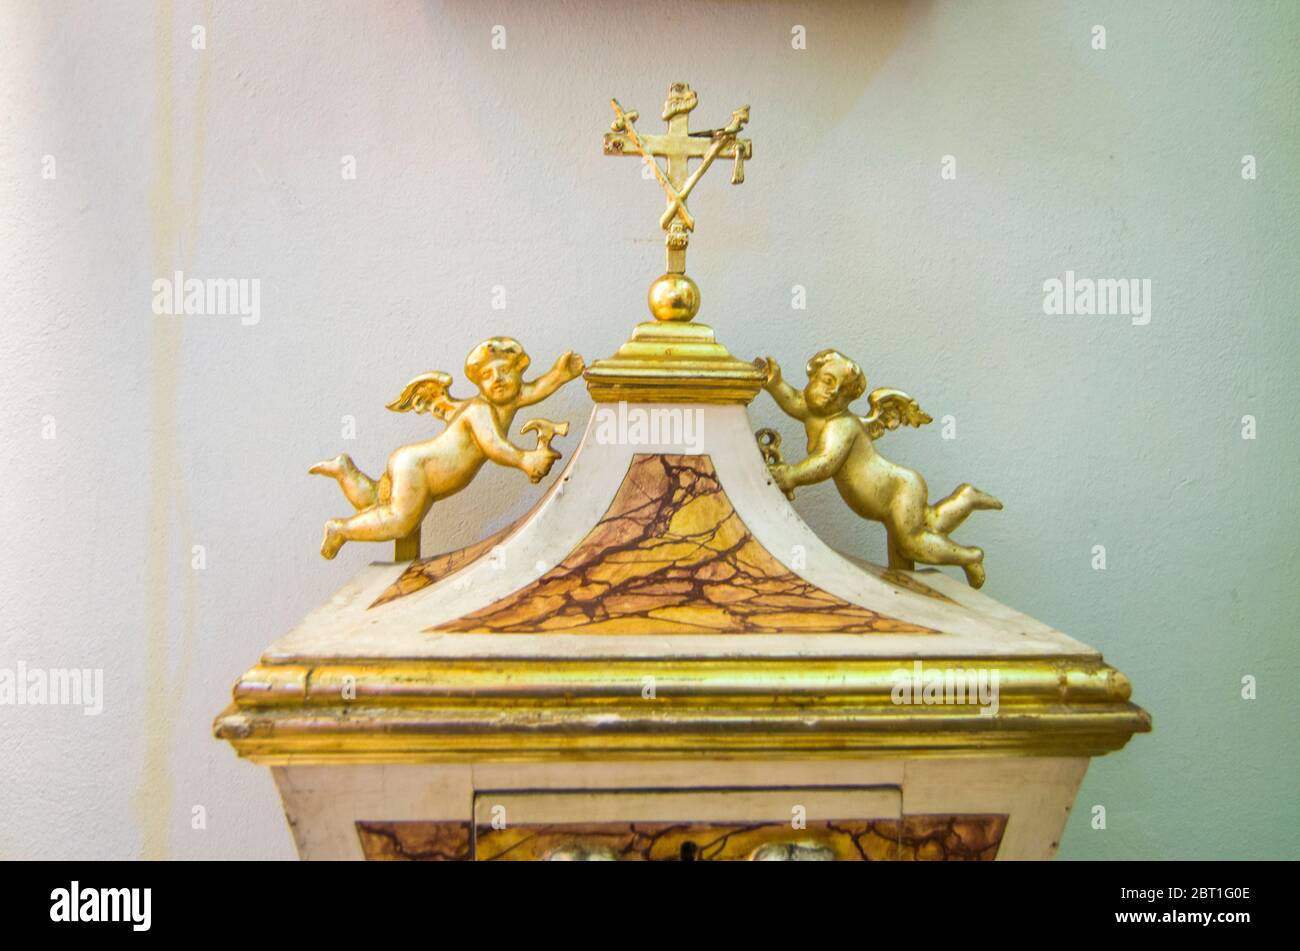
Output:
x=674 y=297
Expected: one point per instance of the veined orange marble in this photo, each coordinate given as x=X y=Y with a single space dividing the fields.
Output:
x=942 y=838
x=425 y=571
x=901 y=579
x=671 y=556
x=415 y=841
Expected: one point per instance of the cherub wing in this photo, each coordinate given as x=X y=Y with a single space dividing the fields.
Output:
x=428 y=393
x=891 y=409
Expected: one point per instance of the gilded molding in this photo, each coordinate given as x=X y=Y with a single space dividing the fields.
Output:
x=545 y=708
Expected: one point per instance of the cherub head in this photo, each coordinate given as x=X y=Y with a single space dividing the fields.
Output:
x=496 y=367
x=834 y=381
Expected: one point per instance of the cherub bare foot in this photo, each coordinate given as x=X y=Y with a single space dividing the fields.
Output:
x=333 y=541
x=330 y=467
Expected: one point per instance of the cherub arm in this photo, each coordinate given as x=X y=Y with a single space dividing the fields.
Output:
x=829 y=453
x=534 y=463
x=787 y=397
x=569 y=366
x=492 y=440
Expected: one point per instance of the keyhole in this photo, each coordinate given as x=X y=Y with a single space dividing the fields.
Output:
x=689 y=852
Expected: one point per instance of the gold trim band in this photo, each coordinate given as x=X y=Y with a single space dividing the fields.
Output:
x=540 y=709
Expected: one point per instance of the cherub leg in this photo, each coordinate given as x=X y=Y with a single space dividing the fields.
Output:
x=360 y=489
x=931 y=548
x=896 y=557
x=907 y=517
x=911 y=539
x=395 y=518
x=946 y=515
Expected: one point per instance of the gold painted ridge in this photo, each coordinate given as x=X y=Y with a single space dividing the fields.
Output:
x=433 y=711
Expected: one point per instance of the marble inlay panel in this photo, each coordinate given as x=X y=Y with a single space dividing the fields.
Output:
x=415 y=841
x=914 y=838
x=671 y=556
x=425 y=571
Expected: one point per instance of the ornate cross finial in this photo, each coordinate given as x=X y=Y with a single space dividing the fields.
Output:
x=675 y=296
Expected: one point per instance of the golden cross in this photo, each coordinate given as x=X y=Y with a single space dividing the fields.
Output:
x=678 y=146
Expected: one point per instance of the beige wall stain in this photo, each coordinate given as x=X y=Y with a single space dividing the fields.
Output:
x=174 y=228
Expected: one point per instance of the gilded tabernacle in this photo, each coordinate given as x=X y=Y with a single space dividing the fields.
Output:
x=661 y=660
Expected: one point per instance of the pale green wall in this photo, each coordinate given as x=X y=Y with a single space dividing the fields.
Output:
x=479 y=168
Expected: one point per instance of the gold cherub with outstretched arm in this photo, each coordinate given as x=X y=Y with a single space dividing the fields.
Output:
x=841 y=446
x=477 y=430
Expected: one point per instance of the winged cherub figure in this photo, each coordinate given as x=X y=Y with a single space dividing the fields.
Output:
x=422 y=473
x=841 y=445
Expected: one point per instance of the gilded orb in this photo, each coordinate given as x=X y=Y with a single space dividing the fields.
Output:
x=674 y=297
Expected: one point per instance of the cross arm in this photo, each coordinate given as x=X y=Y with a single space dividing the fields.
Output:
x=695 y=146
x=746 y=147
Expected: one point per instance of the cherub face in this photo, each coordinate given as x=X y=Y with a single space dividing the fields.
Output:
x=500 y=380
x=496 y=367
x=830 y=385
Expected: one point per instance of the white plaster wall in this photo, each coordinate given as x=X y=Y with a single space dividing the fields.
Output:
x=479 y=167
